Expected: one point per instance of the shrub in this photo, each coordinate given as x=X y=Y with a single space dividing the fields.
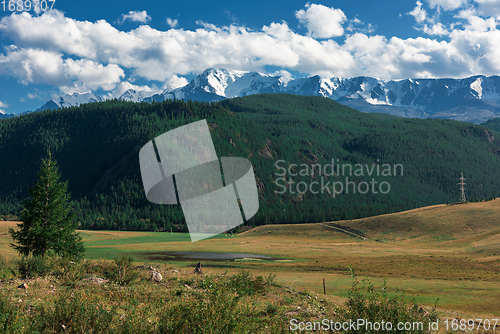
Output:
x=124 y=261
x=73 y=313
x=373 y=307
x=6 y=270
x=215 y=312
x=122 y=274
x=11 y=318
x=69 y=272
x=137 y=321
x=244 y=284
x=35 y=266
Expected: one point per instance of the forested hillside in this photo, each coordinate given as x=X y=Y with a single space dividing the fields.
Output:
x=97 y=148
x=493 y=124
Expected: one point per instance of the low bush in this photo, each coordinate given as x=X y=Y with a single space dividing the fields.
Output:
x=6 y=269
x=215 y=312
x=12 y=319
x=35 y=266
x=75 y=312
x=245 y=284
x=123 y=273
x=377 y=307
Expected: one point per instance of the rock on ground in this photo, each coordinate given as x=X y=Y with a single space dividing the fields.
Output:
x=156 y=276
x=97 y=280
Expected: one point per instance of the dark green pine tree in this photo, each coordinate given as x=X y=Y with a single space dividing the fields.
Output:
x=48 y=220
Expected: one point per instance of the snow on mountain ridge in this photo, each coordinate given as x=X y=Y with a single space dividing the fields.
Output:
x=406 y=97
x=418 y=94
x=135 y=96
x=219 y=79
x=76 y=99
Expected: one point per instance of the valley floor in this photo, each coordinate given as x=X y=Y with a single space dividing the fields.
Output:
x=446 y=252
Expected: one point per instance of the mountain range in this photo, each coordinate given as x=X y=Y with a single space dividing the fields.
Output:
x=4 y=115
x=71 y=100
x=475 y=99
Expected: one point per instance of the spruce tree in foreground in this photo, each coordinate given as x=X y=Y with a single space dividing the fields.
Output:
x=48 y=218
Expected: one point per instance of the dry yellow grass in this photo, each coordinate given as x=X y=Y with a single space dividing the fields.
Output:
x=450 y=252
x=433 y=223
x=5 y=240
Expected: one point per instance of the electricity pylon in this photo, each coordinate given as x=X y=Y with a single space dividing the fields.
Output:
x=462 y=189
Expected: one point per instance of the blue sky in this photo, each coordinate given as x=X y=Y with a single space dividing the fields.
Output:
x=107 y=47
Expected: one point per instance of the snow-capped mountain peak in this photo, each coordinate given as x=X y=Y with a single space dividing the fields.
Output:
x=217 y=80
x=475 y=99
x=76 y=99
x=67 y=100
x=407 y=98
x=135 y=96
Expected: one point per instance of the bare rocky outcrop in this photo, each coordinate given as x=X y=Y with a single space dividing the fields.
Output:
x=266 y=151
x=489 y=136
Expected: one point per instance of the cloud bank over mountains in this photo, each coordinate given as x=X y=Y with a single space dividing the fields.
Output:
x=81 y=56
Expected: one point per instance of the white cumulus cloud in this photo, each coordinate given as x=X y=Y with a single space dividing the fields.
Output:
x=81 y=56
x=429 y=25
x=123 y=86
x=435 y=29
x=447 y=4
x=135 y=16
x=475 y=22
x=489 y=7
x=172 y=23
x=40 y=66
x=2 y=107
x=322 y=21
x=419 y=13
x=356 y=25
x=175 y=82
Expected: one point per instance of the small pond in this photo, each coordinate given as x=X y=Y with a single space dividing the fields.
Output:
x=198 y=256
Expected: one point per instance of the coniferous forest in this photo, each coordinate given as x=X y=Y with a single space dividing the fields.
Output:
x=493 y=124
x=97 y=149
